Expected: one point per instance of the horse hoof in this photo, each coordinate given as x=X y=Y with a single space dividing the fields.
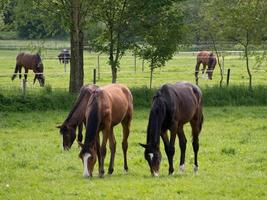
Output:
x=110 y=171
x=101 y=175
x=195 y=169
x=182 y=168
x=171 y=172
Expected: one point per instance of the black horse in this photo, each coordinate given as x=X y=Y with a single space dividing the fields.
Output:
x=172 y=107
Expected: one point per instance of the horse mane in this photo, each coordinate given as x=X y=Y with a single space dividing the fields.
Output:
x=83 y=92
x=156 y=118
x=93 y=122
x=37 y=58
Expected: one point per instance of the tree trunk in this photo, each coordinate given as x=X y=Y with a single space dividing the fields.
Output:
x=114 y=73
x=151 y=73
x=76 y=39
x=247 y=64
x=218 y=58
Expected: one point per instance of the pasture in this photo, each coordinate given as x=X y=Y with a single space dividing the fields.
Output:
x=232 y=154
x=232 y=160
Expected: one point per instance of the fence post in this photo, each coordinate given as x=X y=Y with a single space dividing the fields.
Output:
x=134 y=63
x=24 y=87
x=64 y=62
x=98 y=67
x=228 y=77
x=94 y=76
x=143 y=65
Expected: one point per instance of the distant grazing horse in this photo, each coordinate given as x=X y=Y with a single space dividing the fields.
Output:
x=76 y=118
x=33 y=62
x=206 y=58
x=64 y=56
x=107 y=107
x=172 y=107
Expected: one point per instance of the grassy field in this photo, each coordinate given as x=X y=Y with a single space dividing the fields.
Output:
x=232 y=156
x=181 y=67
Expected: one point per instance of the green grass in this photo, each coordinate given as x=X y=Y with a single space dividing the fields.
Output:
x=232 y=160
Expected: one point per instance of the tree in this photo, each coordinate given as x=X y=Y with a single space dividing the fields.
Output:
x=244 y=23
x=158 y=32
x=73 y=15
x=115 y=18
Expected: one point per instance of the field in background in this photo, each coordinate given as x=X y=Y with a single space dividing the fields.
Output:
x=132 y=72
x=232 y=157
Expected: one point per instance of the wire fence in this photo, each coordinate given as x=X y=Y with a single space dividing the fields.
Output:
x=135 y=72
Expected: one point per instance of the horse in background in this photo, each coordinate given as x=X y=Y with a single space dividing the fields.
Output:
x=173 y=106
x=206 y=58
x=76 y=118
x=32 y=62
x=108 y=106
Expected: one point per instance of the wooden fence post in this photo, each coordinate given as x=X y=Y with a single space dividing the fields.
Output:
x=98 y=67
x=94 y=76
x=228 y=77
x=24 y=87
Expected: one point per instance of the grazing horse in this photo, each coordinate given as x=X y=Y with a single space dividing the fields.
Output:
x=76 y=118
x=33 y=62
x=173 y=106
x=107 y=107
x=206 y=58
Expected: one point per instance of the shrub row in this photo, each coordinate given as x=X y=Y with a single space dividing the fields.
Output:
x=59 y=100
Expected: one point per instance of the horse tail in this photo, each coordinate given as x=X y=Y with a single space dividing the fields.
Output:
x=212 y=61
x=93 y=122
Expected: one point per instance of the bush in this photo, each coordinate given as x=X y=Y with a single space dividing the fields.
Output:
x=48 y=99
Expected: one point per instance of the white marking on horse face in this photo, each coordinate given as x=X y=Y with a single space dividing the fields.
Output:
x=85 y=161
x=151 y=156
x=155 y=174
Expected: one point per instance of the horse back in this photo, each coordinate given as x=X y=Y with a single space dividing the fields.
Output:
x=116 y=102
x=184 y=101
x=203 y=57
x=28 y=60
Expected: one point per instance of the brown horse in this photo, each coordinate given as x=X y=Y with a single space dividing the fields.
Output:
x=32 y=62
x=76 y=118
x=206 y=58
x=172 y=107
x=107 y=107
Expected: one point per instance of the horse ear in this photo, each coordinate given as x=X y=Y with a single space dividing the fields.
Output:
x=143 y=145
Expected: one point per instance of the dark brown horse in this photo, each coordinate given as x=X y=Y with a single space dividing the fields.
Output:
x=206 y=58
x=76 y=118
x=107 y=107
x=32 y=62
x=172 y=107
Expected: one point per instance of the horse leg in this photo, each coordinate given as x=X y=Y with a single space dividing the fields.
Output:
x=196 y=125
x=126 y=131
x=196 y=72
x=182 y=144
x=15 y=72
x=103 y=151
x=204 y=68
x=80 y=132
x=169 y=151
x=26 y=74
x=112 y=147
x=20 y=72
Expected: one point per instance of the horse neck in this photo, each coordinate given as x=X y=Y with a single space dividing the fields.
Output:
x=77 y=114
x=155 y=122
x=93 y=122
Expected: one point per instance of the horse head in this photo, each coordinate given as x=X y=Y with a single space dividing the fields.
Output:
x=88 y=156
x=153 y=158
x=68 y=135
x=211 y=65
